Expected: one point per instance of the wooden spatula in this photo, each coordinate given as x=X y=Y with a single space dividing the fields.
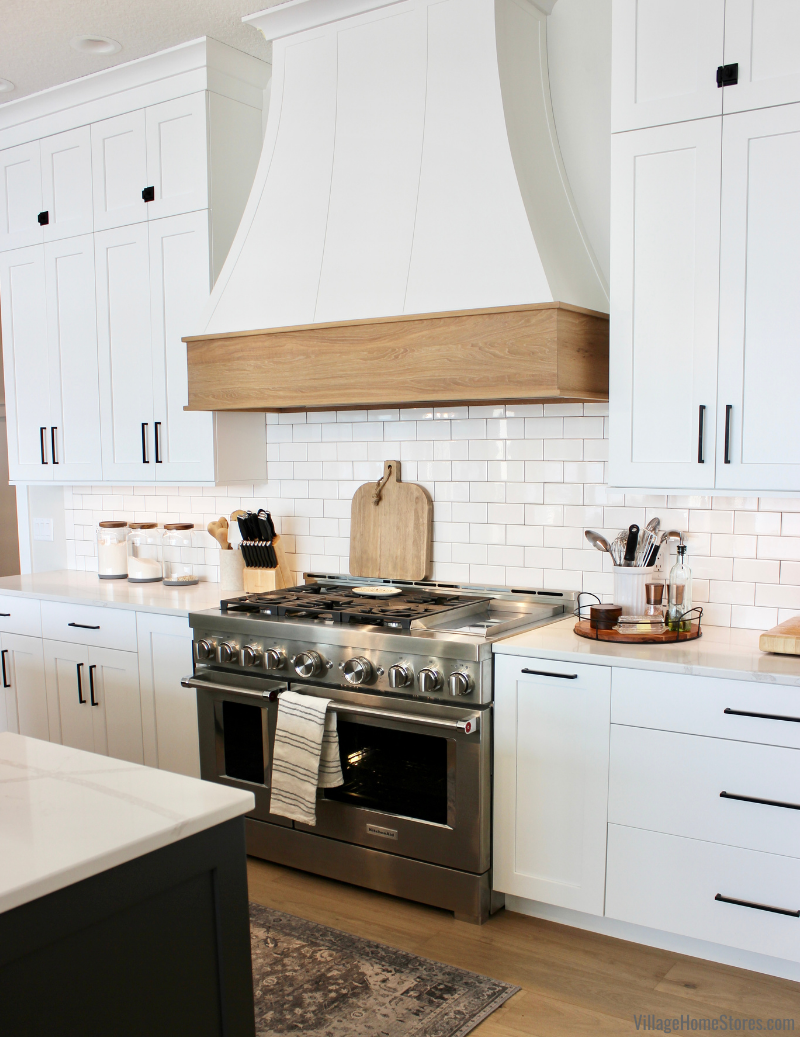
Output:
x=219 y=531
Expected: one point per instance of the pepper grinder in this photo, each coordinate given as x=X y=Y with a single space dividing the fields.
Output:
x=654 y=592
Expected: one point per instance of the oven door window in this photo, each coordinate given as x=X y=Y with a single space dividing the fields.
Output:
x=243 y=730
x=392 y=771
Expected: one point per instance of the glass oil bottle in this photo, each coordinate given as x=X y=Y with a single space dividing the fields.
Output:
x=680 y=594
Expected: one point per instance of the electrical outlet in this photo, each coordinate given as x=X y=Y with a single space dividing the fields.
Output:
x=42 y=529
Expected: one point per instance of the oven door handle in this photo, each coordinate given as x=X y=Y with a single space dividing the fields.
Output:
x=469 y=725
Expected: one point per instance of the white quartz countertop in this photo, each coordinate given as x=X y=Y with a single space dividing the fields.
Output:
x=87 y=588
x=720 y=652
x=66 y=815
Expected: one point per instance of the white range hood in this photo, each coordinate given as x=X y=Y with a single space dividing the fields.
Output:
x=410 y=165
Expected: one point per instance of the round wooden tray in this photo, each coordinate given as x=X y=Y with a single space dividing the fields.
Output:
x=584 y=629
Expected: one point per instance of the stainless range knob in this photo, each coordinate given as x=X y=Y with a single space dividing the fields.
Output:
x=205 y=650
x=430 y=680
x=308 y=664
x=400 y=676
x=227 y=653
x=459 y=683
x=274 y=659
x=358 y=671
x=250 y=656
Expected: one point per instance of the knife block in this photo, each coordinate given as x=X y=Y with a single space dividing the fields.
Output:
x=258 y=580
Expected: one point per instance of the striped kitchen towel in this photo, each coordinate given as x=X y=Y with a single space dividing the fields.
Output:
x=306 y=756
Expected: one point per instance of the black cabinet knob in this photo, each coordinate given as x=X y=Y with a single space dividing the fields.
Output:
x=43 y=218
x=149 y=194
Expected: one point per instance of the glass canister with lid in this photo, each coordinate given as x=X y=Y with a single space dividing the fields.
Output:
x=177 y=555
x=112 y=550
x=144 y=553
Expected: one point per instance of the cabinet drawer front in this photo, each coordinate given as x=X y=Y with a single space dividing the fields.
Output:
x=20 y=615
x=551 y=671
x=89 y=625
x=671 y=884
x=672 y=783
x=747 y=711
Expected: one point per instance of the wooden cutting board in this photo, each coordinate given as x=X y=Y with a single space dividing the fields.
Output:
x=784 y=638
x=391 y=539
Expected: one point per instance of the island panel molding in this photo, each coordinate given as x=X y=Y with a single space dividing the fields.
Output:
x=539 y=351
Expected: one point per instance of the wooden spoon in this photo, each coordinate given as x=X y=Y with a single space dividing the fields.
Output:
x=219 y=531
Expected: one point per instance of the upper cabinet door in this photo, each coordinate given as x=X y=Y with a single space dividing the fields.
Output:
x=72 y=335
x=125 y=353
x=664 y=61
x=119 y=170
x=179 y=288
x=67 y=184
x=26 y=364
x=664 y=301
x=763 y=38
x=20 y=196
x=177 y=164
x=758 y=425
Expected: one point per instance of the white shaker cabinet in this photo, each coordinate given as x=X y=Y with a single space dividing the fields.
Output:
x=74 y=438
x=665 y=58
x=93 y=697
x=763 y=38
x=665 y=217
x=66 y=160
x=183 y=441
x=25 y=701
x=551 y=753
x=758 y=424
x=20 y=196
x=119 y=170
x=125 y=352
x=177 y=165
x=26 y=363
x=169 y=712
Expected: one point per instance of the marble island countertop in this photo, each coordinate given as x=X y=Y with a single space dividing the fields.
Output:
x=720 y=652
x=66 y=815
x=87 y=588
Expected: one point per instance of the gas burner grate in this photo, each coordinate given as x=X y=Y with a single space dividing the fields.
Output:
x=334 y=605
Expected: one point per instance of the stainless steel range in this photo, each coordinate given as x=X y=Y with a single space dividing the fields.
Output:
x=408 y=667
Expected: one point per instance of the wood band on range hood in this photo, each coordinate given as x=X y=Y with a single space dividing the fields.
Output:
x=542 y=351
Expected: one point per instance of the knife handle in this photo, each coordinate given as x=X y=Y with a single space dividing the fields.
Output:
x=630 y=547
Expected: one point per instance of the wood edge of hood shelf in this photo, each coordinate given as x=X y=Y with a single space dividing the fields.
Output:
x=531 y=352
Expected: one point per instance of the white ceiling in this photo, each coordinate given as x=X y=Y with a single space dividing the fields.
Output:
x=34 y=39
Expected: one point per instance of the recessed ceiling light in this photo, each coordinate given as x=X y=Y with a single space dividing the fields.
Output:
x=6 y=86
x=95 y=45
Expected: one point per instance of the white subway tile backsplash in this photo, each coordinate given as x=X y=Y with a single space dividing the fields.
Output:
x=514 y=488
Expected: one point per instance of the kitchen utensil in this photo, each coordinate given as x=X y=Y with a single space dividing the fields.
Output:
x=265 y=519
x=219 y=531
x=618 y=546
x=391 y=539
x=783 y=639
x=597 y=540
x=653 y=524
x=643 y=547
x=630 y=546
x=652 y=555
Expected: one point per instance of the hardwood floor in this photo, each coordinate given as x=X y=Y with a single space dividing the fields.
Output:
x=573 y=982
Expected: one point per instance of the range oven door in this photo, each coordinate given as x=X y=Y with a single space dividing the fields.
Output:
x=237 y=732
x=416 y=783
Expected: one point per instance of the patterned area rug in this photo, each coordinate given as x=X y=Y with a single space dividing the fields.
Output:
x=312 y=980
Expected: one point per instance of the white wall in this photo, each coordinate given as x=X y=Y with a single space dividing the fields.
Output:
x=579 y=55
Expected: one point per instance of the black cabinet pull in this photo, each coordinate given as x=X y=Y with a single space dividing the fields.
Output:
x=701 y=424
x=757 y=907
x=3 y=655
x=760 y=716
x=157 y=428
x=83 y=626
x=53 y=450
x=43 y=443
x=546 y=673
x=728 y=75
x=91 y=684
x=149 y=194
x=763 y=802
x=81 y=699
x=43 y=218
x=6 y=614
x=145 y=458
x=728 y=412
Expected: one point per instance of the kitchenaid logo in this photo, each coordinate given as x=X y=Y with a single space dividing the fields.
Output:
x=386 y=833
x=709 y=1024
